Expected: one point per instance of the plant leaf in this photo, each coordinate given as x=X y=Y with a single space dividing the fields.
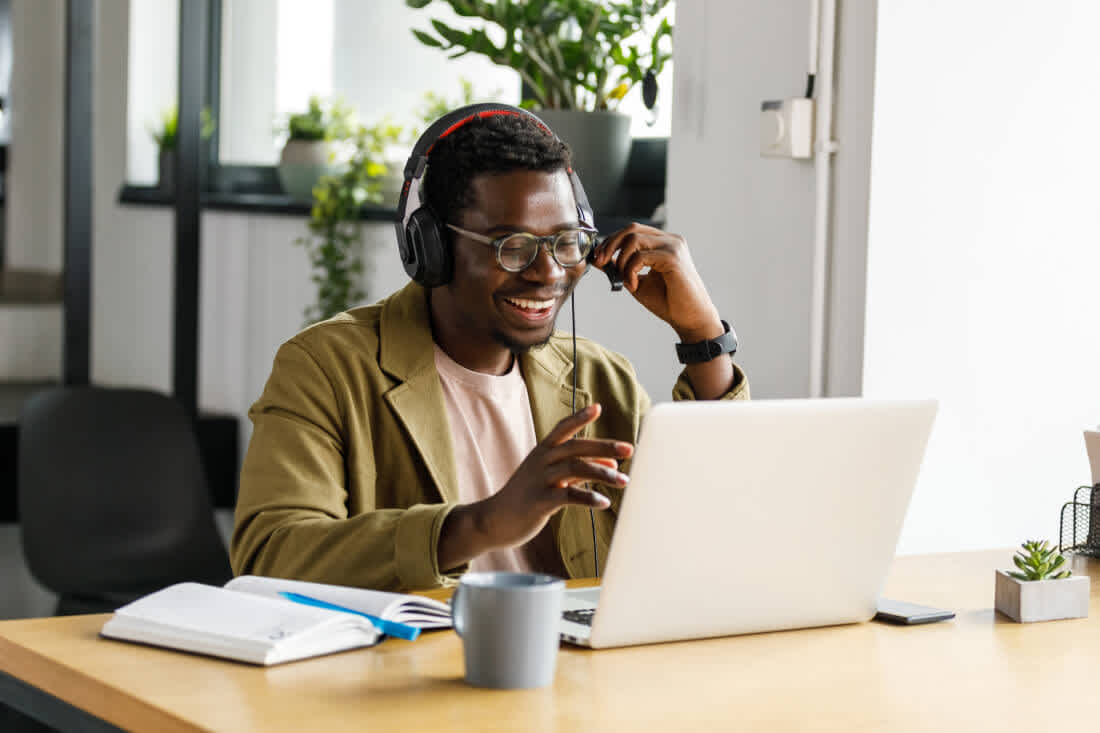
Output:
x=426 y=39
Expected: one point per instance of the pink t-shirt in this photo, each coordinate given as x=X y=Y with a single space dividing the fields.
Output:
x=492 y=431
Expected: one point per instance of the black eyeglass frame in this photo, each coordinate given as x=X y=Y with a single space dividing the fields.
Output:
x=548 y=242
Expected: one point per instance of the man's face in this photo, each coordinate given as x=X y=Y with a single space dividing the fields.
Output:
x=490 y=306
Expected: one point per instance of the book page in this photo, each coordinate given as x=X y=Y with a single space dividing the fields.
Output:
x=424 y=613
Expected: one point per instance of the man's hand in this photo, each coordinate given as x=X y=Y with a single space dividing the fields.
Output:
x=671 y=289
x=543 y=484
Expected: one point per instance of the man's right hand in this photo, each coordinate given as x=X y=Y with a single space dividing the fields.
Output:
x=543 y=484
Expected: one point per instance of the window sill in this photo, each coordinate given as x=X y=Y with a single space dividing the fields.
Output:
x=250 y=203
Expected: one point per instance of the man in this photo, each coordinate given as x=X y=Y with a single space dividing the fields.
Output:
x=399 y=444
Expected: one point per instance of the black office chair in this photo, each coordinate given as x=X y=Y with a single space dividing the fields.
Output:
x=113 y=501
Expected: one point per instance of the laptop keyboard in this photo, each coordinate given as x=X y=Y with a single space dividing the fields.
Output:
x=581 y=616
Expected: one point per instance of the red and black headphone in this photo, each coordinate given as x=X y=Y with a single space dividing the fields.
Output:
x=421 y=237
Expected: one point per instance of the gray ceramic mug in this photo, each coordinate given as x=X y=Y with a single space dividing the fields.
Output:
x=509 y=624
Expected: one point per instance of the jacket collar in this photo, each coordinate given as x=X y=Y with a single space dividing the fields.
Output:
x=405 y=353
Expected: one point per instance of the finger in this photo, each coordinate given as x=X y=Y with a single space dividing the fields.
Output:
x=611 y=244
x=577 y=470
x=572 y=425
x=660 y=259
x=590 y=448
x=629 y=243
x=586 y=497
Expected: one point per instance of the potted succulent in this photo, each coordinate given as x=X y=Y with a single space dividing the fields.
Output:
x=310 y=151
x=577 y=59
x=165 y=135
x=1042 y=588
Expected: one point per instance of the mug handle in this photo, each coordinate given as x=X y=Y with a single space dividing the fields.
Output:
x=458 y=618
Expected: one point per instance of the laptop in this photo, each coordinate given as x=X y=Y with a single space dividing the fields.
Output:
x=744 y=517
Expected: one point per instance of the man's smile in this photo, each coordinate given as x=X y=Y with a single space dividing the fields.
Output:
x=531 y=309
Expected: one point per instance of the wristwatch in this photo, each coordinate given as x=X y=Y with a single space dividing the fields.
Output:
x=701 y=351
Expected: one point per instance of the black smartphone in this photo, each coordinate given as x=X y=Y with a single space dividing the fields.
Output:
x=902 y=612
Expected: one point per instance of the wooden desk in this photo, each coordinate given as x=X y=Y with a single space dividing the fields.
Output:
x=980 y=671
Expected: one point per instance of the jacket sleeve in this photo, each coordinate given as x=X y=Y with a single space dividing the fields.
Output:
x=292 y=514
x=739 y=391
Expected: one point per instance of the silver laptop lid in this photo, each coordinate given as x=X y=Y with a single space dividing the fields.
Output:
x=756 y=516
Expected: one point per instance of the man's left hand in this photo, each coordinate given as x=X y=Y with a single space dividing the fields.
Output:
x=671 y=288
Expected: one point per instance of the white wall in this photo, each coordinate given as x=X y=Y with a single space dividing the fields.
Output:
x=983 y=261
x=748 y=219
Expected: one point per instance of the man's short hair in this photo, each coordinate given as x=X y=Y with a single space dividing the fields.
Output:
x=498 y=143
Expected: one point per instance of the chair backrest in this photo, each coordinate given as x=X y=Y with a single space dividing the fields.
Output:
x=113 y=501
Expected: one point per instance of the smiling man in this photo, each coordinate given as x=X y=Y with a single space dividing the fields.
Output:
x=399 y=444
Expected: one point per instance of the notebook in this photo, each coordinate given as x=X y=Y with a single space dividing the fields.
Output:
x=247 y=620
x=743 y=517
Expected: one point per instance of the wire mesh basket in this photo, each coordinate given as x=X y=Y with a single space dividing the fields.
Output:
x=1079 y=529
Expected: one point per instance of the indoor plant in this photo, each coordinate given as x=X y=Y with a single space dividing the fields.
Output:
x=165 y=135
x=577 y=59
x=374 y=175
x=310 y=151
x=1042 y=588
x=334 y=237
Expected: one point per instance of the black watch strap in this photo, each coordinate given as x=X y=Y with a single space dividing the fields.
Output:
x=706 y=350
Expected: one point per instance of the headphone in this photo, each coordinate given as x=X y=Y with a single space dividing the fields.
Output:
x=422 y=239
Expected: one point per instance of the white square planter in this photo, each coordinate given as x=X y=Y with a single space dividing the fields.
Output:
x=1042 y=600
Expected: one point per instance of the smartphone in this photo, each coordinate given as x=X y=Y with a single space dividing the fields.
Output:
x=902 y=612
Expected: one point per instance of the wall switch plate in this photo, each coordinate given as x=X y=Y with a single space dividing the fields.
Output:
x=787 y=128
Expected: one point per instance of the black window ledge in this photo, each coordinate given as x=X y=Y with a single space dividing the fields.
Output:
x=252 y=203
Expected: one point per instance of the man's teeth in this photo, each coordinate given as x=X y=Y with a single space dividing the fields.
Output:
x=535 y=305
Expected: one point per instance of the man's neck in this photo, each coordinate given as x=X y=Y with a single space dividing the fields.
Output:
x=487 y=358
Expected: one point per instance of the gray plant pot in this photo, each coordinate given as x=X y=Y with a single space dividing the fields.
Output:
x=601 y=148
x=1042 y=600
x=302 y=164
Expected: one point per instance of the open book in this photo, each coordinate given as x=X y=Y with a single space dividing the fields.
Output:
x=249 y=621
x=418 y=611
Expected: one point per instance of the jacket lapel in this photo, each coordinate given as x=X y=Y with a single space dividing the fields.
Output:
x=405 y=352
x=547 y=372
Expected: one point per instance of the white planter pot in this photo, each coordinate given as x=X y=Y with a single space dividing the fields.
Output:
x=1042 y=600
x=601 y=147
x=301 y=165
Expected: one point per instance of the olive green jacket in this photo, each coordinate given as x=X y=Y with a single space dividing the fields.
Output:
x=350 y=471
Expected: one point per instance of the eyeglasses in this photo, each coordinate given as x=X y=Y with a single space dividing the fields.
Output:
x=516 y=251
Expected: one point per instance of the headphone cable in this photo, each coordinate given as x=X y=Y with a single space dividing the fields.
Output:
x=573 y=407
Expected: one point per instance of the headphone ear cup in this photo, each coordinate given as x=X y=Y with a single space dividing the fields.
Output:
x=430 y=262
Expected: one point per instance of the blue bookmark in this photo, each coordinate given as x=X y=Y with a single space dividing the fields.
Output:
x=392 y=628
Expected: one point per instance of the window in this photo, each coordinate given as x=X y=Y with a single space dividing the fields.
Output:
x=275 y=54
